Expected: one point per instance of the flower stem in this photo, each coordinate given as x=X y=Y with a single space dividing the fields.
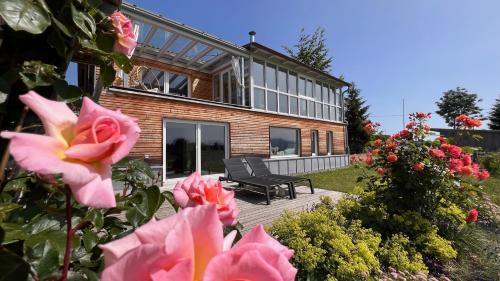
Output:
x=69 y=235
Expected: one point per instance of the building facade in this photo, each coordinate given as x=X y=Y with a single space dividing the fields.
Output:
x=199 y=99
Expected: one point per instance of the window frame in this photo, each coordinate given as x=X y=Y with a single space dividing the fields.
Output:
x=329 y=143
x=314 y=142
x=299 y=142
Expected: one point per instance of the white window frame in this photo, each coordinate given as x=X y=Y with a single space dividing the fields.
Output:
x=329 y=143
x=315 y=136
x=198 y=147
x=166 y=81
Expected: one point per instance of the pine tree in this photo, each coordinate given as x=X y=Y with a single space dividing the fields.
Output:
x=495 y=116
x=311 y=50
x=356 y=114
x=456 y=102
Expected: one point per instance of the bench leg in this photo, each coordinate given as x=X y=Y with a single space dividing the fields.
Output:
x=311 y=186
x=290 y=191
x=268 y=196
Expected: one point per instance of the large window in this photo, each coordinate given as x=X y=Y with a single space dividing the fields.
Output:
x=277 y=89
x=329 y=142
x=314 y=143
x=284 y=141
x=158 y=81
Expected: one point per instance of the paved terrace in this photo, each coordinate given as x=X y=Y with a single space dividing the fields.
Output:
x=255 y=211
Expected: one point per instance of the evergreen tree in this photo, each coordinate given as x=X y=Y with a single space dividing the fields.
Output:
x=311 y=50
x=356 y=113
x=456 y=102
x=495 y=116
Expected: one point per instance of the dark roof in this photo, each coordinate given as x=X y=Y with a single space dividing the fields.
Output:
x=255 y=45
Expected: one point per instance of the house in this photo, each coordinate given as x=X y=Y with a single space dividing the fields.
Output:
x=200 y=99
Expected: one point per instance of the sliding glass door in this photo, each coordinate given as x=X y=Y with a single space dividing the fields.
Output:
x=194 y=146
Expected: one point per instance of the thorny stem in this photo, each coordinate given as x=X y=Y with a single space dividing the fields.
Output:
x=69 y=235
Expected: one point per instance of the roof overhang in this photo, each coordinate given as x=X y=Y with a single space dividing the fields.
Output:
x=271 y=55
x=172 y=42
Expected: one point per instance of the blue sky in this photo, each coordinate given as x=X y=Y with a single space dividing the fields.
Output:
x=392 y=49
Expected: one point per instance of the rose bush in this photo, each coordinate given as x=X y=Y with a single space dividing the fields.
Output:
x=424 y=190
x=80 y=148
x=194 y=191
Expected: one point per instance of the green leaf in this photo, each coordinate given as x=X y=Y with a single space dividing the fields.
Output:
x=122 y=61
x=68 y=93
x=108 y=74
x=18 y=184
x=49 y=263
x=106 y=41
x=2 y=235
x=134 y=217
x=83 y=21
x=36 y=74
x=6 y=208
x=24 y=15
x=90 y=239
x=62 y=27
x=12 y=267
x=91 y=275
x=96 y=217
x=13 y=232
x=170 y=198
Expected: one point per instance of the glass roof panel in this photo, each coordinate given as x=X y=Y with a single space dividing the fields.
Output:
x=212 y=54
x=179 y=44
x=159 y=38
x=143 y=31
x=195 y=50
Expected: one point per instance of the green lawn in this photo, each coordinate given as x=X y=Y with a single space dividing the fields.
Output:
x=492 y=187
x=342 y=180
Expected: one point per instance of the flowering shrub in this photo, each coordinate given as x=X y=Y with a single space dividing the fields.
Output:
x=422 y=195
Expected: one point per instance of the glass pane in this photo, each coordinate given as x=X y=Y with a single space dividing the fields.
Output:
x=143 y=31
x=153 y=80
x=213 y=149
x=292 y=83
x=283 y=103
x=332 y=112
x=326 y=112
x=314 y=142
x=310 y=107
x=282 y=80
x=195 y=50
x=303 y=107
x=159 y=38
x=180 y=149
x=225 y=87
x=293 y=105
x=309 y=89
x=337 y=99
x=260 y=98
x=325 y=93
x=341 y=115
x=338 y=114
x=216 y=84
x=317 y=92
x=178 y=84
x=332 y=96
x=179 y=44
x=235 y=90
x=284 y=141
x=302 y=86
x=211 y=55
x=271 y=76
x=319 y=110
x=272 y=102
x=258 y=73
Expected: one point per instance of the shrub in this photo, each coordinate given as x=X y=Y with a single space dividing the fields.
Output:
x=420 y=199
x=327 y=246
x=491 y=162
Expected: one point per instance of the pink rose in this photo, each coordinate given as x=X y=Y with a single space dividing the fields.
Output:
x=125 y=41
x=190 y=246
x=194 y=191
x=80 y=148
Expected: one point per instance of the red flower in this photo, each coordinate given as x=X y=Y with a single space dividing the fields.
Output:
x=392 y=157
x=419 y=166
x=391 y=145
x=369 y=128
x=369 y=159
x=467 y=159
x=377 y=142
x=410 y=125
x=427 y=128
x=461 y=118
x=404 y=134
x=354 y=158
x=376 y=151
x=455 y=164
x=483 y=175
x=437 y=153
x=472 y=123
x=472 y=215
x=466 y=170
x=422 y=115
x=454 y=150
x=381 y=171
x=442 y=139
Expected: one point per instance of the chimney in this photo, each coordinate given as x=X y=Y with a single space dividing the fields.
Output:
x=252 y=36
